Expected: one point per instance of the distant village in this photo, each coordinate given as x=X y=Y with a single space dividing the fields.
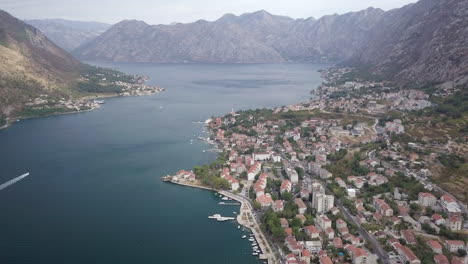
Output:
x=330 y=183
x=54 y=104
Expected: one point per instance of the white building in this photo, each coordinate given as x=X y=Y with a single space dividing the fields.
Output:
x=426 y=199
x=293 y=175
x=323 y=222
x=322 y=203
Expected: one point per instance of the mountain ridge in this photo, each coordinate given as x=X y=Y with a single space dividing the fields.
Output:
x=69 y=34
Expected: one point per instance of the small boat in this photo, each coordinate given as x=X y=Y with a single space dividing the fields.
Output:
x=238 y=227
x=251 y=239
x=225 y=198
x=244 y=236
x=234 y=212
x=215 y=216
x=255 y=254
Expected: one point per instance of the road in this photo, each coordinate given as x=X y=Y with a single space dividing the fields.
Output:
x=381 y=253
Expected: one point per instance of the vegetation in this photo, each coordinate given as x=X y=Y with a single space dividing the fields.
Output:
x=30 y=112
x=208 y=174
x=346 y=167
x=272 y=224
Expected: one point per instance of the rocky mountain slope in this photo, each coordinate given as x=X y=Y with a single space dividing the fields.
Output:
x=69 y=34
x=423 y=42
x=30 y=64
x=39 y=78
x=257 y=37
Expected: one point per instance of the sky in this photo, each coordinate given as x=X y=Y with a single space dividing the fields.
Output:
x=168 y=11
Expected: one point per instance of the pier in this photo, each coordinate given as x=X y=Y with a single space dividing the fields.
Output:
x=248 y=220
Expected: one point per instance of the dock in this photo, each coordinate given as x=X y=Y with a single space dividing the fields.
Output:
x=248 y=220
x=233 y=204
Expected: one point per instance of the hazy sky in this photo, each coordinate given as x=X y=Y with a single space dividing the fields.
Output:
x=167 y=11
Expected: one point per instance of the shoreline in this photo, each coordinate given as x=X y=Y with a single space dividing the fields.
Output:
x=245 y=218
x=87 y=97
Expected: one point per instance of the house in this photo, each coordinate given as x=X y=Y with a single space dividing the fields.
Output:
x=301 y=217
x=438 y=219
x=288 y=231
x=305 y=194
x=343 y=231
x=358 y=255
x=337 y=243
x=449 y=204
x=265 y=200
x=254 y=170
x=186 y=175
x=294 y=246
x=459 y=260
x=325 y=260
x=454 y=245
x=312 y=231
x=286 y=186
x=454 y=223
x=313 y=246
x=340 y=223
x=329 y=233
x=284 y=223
x=435 y=246
x=426 y=199
x=409 y=237
x=357 y=181
x=305 y=256
x=278 y=206
x=261 y=156
x=383 y=208
x=323 y=222
x=377 y=216
x=406 y=254
x=441 y=259
x=340 y=182
x=291 y=259
x=301 y=205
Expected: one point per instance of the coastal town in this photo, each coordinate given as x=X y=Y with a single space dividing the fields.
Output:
x=342 y=178
x=111 y=83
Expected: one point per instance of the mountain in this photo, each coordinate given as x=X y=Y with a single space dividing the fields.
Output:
x=425 y=42
x=30 y=63
x=39 y=78
x=258 y=37
x=69 y=34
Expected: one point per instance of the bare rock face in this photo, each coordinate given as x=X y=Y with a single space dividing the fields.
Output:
x=425 y=42
x=30 y=64
x=250 y=38
x=69 y=34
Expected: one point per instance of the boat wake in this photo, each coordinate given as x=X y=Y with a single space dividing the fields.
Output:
x=13 y=181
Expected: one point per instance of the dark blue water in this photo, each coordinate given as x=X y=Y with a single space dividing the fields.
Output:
x=95 y=195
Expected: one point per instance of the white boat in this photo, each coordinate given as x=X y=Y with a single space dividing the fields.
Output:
x=251 y=239
x=238 y=227
x=255 y=254
x=215 y=216
x=225 y=198
x=244 y=236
